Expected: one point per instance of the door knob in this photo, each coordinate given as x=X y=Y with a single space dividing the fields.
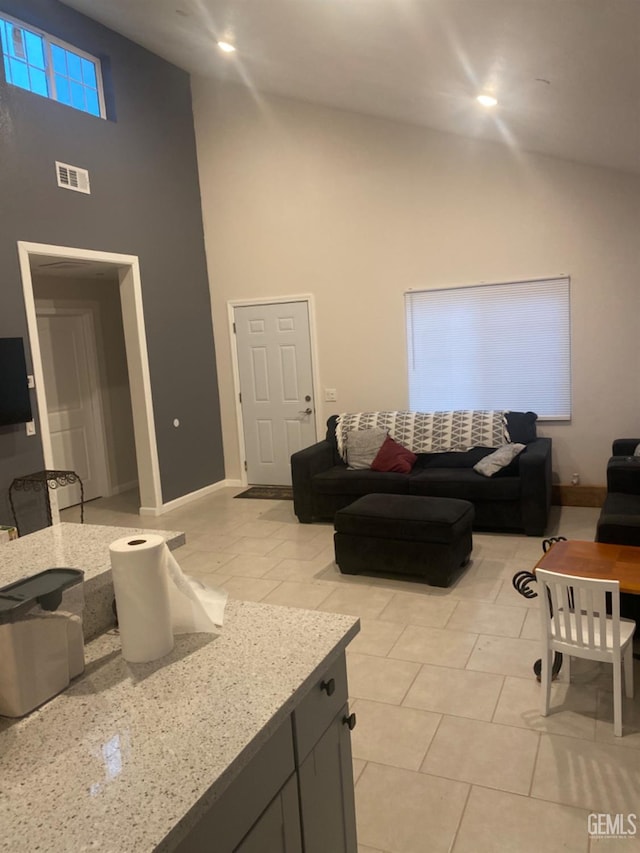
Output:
x=305 y=412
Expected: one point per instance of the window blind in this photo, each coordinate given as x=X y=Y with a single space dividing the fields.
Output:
x=491 y=346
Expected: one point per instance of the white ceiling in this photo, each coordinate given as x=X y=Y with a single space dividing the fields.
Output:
x=566 y=72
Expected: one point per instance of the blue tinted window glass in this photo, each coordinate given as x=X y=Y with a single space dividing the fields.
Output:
x=7 y=70
x=3 y=36
x=35 y=49
x=19 y=74
x=59 y=59
x=39 y=83
x=93 y=104
x=74 y=66
x=89 y=73
x=77 y=95
x=62 y=90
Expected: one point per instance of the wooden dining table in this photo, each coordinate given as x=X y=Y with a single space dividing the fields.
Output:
x=580 y=558
x=595 y=560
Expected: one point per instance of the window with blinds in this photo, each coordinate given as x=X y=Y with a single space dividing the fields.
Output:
x=491 y=346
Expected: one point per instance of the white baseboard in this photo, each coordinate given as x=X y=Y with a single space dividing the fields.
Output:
x=183 y=500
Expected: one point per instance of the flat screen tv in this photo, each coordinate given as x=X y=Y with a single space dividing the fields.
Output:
x=15 y=405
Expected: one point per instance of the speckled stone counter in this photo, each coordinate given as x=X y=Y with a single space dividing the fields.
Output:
x=75 y=546
x=132 y=752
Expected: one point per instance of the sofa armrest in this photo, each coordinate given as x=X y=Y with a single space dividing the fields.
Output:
x=624 y=446
x=535 y=476
x=305 y=464
x=623 y=475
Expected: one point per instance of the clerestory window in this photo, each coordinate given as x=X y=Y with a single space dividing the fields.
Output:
x=41 y=63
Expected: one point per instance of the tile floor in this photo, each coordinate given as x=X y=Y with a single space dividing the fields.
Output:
x=450 y=753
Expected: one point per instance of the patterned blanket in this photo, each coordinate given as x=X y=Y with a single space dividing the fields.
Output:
x=429 y=432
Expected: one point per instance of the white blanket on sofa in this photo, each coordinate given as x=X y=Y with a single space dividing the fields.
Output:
x=429 y=432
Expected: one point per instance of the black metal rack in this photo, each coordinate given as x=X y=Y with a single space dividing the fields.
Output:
x=44 y=481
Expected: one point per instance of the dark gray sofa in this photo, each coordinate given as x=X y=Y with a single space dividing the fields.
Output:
x=518 y=498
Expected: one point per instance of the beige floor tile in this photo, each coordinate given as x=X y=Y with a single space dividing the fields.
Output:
x=379 y=679
x=497 y=822
x=434 y=645
x=477 y=588
x=459 y=692
x=258 y=529
x=249 y=589
x=594 y=776
x=213 y=542
x=197 y=562
x=504 y=655
x=407 y=812
x=296 y=570
x=259 y=546
x=482 y=753
x=376 y=637
x=531 y=626
x=483 y=618
x=363 y=601
x=290 y=549
x=630 y=720
x=390 y=734
x=512 y=598
x=418 y=610
x=293 y=594
x=573 y=708
x=250 y=565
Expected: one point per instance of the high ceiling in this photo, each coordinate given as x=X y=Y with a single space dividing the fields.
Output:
x=566 y=73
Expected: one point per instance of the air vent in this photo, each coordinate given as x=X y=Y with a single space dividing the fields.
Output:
x=73 y=178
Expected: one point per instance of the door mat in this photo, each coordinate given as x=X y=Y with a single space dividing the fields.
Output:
x=273 y=493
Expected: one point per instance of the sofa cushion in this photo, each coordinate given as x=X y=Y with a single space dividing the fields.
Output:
x=393 y=457
x=340 y=481
x=498 y=460
x=454 y=459
x=463 y=483
x=521 y=426
x=362 y=446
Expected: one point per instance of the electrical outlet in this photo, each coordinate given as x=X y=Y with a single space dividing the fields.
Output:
x=31 y=427
x=31 y=383
x=330 y=395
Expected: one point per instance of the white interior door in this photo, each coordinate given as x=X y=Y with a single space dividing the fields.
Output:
x=67 y=344
x=276 y=386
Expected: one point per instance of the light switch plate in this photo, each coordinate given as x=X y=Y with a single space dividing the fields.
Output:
x=30 y=427
x=330 y=395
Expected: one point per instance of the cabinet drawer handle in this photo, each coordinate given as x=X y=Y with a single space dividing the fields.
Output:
x=329 y=686
x=350 y=721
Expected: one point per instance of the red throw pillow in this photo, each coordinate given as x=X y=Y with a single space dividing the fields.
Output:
x=393 y=457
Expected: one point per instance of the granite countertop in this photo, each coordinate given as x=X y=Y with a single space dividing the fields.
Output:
x=76 y=546
x=121 y=757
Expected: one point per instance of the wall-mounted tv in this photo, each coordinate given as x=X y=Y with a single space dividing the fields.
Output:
x=15 y=405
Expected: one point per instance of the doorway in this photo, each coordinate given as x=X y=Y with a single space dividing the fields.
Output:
x=274 y=369
x=127 y=272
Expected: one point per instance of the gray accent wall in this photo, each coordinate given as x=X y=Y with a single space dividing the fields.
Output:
x=145 y=201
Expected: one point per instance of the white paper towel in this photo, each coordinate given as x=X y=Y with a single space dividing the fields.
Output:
x=155 y=600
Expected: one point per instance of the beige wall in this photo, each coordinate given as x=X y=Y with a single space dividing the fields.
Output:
x=103 y=297
x=355 y=210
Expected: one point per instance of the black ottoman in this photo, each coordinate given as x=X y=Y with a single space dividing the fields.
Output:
x=405 y=535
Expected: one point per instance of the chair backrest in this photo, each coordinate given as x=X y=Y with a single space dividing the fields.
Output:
x=578 y=610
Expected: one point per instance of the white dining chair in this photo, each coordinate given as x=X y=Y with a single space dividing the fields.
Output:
x=575 y=622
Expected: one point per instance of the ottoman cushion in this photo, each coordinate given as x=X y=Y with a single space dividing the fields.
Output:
x=406 y=517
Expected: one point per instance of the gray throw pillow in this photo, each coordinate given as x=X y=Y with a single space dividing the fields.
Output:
x=362 y=446
x=499 y=459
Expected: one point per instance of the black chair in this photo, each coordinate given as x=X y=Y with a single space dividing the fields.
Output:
x=619 y=521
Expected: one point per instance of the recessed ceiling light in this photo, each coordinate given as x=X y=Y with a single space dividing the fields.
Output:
x=487 y=100
x=226 y=47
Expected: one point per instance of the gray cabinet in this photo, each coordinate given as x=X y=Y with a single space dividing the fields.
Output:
x=296 y=794
x=327 y=805
x=278 y=828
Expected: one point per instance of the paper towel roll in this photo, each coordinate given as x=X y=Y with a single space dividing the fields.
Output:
x=141 y=586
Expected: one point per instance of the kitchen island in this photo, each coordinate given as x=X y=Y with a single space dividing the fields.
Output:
x=235 y=742
x=76 y=546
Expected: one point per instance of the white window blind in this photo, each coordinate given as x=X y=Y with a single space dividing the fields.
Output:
x=494 y=346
